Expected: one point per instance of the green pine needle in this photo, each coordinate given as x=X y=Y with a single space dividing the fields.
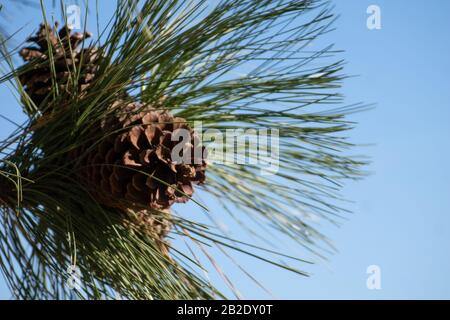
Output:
x=242 y=64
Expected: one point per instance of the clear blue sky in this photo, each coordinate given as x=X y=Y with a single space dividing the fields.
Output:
x=401 y=219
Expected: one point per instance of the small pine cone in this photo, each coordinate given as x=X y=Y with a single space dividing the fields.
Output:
x=155 y=224
x=133 y=166
x=37 y=75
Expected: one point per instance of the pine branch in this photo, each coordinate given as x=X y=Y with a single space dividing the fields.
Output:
x=241 y=65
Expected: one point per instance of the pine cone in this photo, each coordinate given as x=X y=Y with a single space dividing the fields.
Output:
x=133 y=167
x=37 y=77
x=157 y=226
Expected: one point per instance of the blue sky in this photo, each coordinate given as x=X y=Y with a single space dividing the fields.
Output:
x=401 y=219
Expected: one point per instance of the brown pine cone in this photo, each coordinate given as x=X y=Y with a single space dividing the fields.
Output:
x=133 y=167
x=37 y=75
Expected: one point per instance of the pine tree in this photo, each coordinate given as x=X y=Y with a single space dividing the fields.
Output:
x=89 y=180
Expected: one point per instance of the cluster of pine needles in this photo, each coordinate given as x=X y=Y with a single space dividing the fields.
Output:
x=240 y=64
